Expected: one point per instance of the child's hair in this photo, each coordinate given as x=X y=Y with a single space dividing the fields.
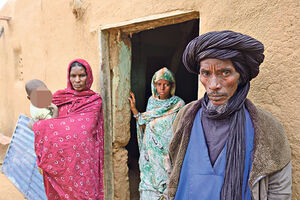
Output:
x=33 y=85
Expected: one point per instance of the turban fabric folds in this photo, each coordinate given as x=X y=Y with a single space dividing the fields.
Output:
x=245 y=52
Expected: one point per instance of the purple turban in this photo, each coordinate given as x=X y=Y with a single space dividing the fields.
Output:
x=245 y=52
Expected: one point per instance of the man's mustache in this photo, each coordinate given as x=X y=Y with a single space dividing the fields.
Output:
x=217 y=94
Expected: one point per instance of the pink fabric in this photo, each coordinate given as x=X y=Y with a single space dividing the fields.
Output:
x=69 y=148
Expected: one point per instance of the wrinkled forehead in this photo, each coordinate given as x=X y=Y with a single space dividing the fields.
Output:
x=216 y=63
x=77 y=69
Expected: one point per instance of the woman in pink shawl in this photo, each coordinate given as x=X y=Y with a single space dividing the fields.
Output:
x=69 y=148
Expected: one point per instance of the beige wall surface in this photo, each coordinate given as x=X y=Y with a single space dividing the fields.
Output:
x=43 y=36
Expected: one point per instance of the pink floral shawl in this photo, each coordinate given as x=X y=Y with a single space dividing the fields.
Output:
x=69 y=148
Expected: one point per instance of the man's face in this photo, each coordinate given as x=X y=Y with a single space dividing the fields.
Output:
x=219 y=78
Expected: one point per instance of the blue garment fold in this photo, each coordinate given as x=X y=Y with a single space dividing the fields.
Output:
x=199 y=179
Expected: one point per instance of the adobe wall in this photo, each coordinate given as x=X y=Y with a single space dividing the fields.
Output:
x=44 y=35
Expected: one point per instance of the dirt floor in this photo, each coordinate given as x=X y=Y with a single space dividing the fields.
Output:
x=7 y=190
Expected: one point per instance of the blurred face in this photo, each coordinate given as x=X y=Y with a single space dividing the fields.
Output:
x=78 y=78
x=41 y=97
x=163 y=88
x=219 y=78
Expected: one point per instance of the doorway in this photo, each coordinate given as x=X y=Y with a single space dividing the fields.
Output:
x=152 y=50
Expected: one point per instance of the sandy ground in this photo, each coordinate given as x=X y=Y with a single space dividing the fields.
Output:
x=7 y=190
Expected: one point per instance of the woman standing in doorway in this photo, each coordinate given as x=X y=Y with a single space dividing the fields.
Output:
x=154 y=132
x=69 y=148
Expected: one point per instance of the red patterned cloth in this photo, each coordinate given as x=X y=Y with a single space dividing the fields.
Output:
x=69 y=148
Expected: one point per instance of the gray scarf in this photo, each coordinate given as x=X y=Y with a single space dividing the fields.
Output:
x=235 y=155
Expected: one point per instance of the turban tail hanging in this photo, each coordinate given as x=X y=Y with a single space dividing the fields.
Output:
x=246 y=54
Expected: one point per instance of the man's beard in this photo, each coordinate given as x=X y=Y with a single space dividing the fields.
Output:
x=217 y=108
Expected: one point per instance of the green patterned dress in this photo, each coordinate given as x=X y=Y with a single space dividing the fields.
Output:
x=154 y=141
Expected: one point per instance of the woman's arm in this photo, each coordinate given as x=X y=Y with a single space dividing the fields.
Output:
x=133 y=108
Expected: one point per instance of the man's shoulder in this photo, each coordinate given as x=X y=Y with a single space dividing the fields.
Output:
x=272 y=151
x=268 y=130
x=267 y=116
x=189 y=106
x=262 y=116
x=186 y=114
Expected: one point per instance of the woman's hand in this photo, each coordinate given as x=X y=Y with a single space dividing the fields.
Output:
x=132 y=104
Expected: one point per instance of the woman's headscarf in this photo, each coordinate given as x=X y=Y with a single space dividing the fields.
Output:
x=246 y=54
x=69 y=94
x=89 y=80
x=163 y=74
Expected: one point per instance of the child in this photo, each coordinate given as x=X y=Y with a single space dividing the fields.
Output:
x=40 y=97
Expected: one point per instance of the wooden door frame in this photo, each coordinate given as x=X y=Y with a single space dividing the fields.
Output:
x=115 y=66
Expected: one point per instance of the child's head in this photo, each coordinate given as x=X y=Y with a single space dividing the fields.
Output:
x=38 y=93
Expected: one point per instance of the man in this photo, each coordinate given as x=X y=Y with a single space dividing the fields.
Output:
x=224 y=147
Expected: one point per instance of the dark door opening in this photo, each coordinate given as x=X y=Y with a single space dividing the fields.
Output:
x=152 y=50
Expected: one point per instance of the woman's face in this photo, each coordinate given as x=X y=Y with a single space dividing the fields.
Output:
x=78 y=78
x=163 y=88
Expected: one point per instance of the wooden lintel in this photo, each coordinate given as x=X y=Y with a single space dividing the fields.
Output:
x=151 y=22
x=5 y=18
